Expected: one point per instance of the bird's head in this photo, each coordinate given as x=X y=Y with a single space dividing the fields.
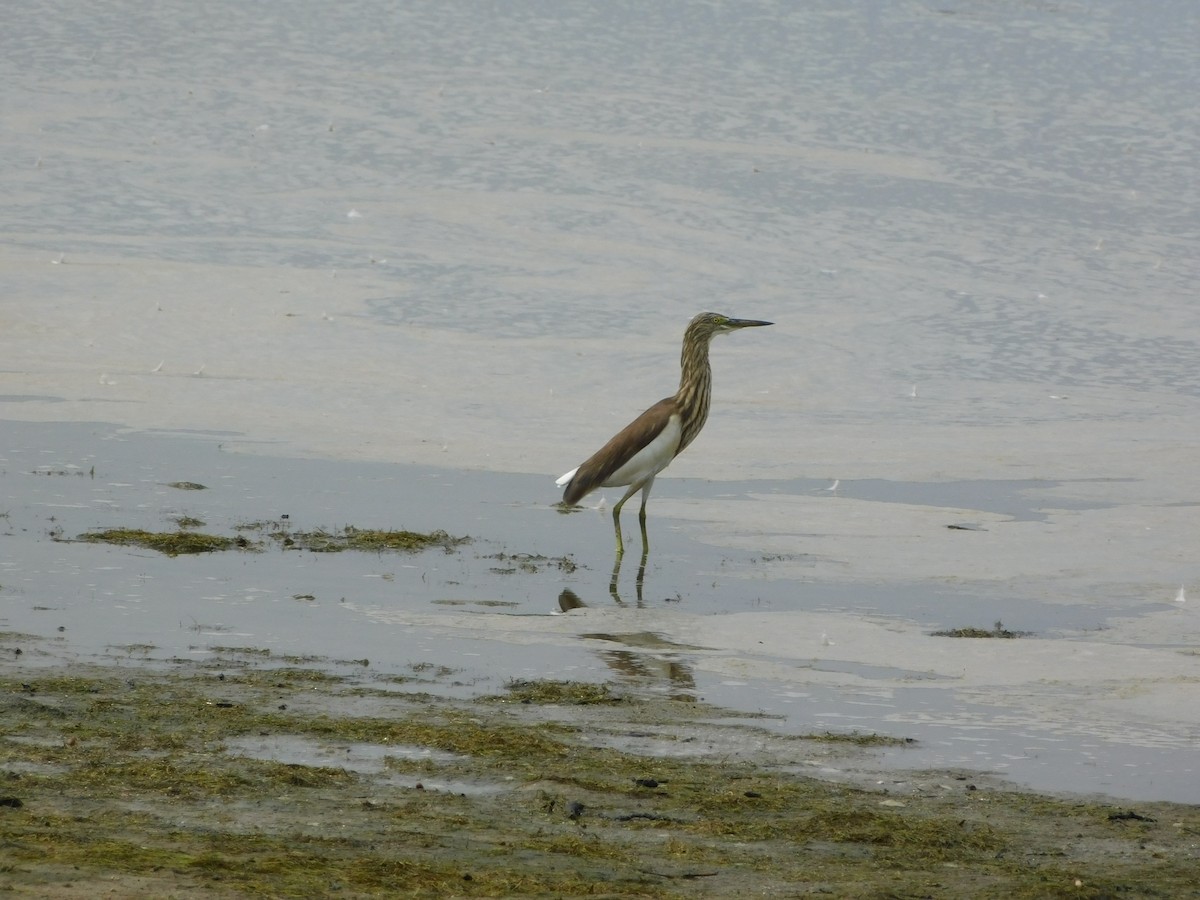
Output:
x=708 y=325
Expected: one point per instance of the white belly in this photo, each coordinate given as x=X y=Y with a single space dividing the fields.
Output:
x=651 y=459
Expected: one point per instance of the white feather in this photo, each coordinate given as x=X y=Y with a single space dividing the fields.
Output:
x=644 y=464
x=651 y=459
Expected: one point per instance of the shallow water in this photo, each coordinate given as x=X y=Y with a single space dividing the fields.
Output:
x=411 y=263
x=375 y=615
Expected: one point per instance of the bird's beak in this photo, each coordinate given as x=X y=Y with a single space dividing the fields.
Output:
x=746 y=323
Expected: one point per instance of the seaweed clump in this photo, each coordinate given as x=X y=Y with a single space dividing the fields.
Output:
x=374 y=540
x=172 y=543
x=186 y=540
x=996 y=631
x=548 y=691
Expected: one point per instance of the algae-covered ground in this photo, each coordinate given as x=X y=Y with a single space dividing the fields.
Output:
x=252 y=776
x=186 y=540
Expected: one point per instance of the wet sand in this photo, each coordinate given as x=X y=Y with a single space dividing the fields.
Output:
x=426 y=238
x=251 y=775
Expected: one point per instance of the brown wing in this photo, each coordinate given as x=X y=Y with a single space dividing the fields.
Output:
x=628 y=441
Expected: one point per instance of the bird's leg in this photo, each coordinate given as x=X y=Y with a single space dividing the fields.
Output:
x=633 y=489
x=642 y=518
x=612 y=582
x=617 y=527
x=641 y=575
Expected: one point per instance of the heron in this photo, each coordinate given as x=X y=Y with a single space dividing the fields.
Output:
x=646 y=446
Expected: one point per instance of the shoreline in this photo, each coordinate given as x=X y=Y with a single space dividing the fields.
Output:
x=249 y=774
x=1094 y=700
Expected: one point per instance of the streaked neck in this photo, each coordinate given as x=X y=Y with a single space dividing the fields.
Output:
x=695 y=390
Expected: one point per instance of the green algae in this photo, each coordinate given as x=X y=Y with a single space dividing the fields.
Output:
x=861 y=739
x=578 y=693
x=186 y=540
x=996 y=631
x=123 y=780
x=171 y=543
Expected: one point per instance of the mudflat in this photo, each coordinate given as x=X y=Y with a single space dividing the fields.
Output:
x=249 y=774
